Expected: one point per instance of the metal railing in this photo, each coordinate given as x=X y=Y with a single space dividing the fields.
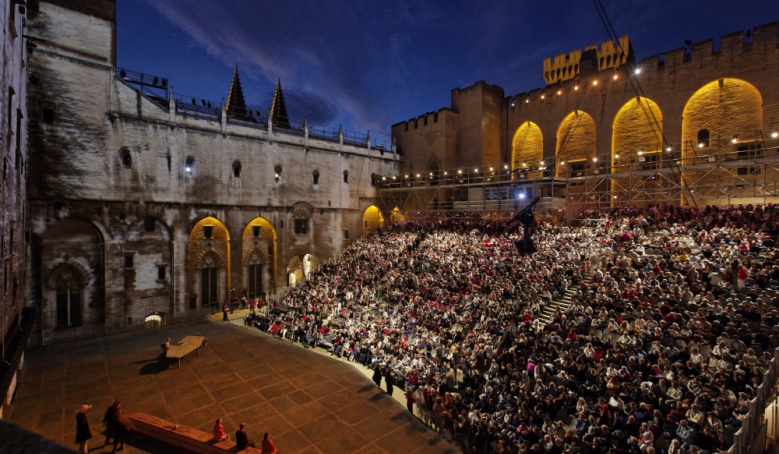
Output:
x=198 y=106
x=753 y=421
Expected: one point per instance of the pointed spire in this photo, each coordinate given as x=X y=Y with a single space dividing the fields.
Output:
x=236 y=105
x=278 y=109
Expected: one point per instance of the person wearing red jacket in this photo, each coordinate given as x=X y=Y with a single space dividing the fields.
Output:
x=219 y=431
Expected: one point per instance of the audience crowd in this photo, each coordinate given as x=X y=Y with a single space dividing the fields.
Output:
x=672 y=325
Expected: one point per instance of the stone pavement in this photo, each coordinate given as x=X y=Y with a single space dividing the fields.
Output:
x=310 y=403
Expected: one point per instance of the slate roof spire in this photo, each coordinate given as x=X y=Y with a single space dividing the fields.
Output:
x=236 y=105
x=278 y=109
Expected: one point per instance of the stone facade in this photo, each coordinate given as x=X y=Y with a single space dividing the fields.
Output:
x=142 y=209
x=14 y=254
x=724 y=88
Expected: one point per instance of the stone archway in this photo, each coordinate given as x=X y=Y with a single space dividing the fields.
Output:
x=208 y=264
x=721 y=120
x=527 y=147
x=636 y=145
x=310 y=265
x=259 y=258
x=372 y=220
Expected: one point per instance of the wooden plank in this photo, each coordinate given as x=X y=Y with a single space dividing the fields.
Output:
x=182 y=436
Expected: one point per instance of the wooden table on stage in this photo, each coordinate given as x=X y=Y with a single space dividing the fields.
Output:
x=186 y=346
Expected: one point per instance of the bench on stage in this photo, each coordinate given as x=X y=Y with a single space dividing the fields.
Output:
x=185 y=347
x=182 y=436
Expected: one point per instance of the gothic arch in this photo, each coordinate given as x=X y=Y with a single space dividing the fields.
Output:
x=259 y=240
x=576 y=141
x=730 y=110
x=372 y=220
x=66 y=268
x=527 y=146
x=208 y=267
x=725 y=107
x=638 y=126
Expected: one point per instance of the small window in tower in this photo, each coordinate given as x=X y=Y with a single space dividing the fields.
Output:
x=189 y=165
x=256 y=231
x=161 y=272
x=129 y=259
x=346 y=176
x=237 y=169
x=48 y=113
x=127 y=160
x=148 y=224
x=208 y=231
x=346 y=234
x=316 y=177
x=277 y=173
x=703 y=138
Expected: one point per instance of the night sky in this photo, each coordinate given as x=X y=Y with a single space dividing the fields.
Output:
x=368 y=63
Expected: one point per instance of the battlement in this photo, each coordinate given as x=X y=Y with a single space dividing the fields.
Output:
x=610 y=54
x=424 y=119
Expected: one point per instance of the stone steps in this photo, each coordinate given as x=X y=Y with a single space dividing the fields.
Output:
x=562 y=303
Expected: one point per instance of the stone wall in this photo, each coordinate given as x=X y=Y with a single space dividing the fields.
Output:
x=14 y=251
x=669 y=81
x=141 y=177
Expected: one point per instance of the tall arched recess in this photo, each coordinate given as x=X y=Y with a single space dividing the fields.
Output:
x=527 y=146
x=576 y=146
x=636 y=145
x=372 y=220
x=728 y=109
x=259 y=258
x=208 y=264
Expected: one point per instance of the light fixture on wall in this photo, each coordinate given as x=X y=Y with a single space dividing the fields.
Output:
x=775 y=134
x=734 y=139
x=616 y=155
x=637 y=71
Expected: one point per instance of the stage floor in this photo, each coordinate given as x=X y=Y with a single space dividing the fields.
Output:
x=309 y=402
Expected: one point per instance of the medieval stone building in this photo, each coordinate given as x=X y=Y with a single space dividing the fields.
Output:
x=698 y=124
x=146 y=207
x=14 y=255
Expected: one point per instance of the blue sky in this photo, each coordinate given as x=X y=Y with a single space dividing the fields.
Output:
x=367 y=64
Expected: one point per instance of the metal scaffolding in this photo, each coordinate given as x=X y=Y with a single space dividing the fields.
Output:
x=721 y=174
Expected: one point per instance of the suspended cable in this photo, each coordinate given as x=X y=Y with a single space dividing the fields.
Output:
x=638 y=90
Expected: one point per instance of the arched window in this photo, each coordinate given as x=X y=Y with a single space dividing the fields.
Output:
x=69 y=290
x=316 y=176
x=127 y=159
x=277 y=173
x=346 y=176
x=237 y=169
x=189 y=165
x=703 y=138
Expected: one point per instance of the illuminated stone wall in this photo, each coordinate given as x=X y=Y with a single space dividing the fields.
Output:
x=636 y=141
x=372 y=220
x=528 y=146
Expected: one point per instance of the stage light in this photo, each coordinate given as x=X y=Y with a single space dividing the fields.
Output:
x=562 y=163
x=734 y=139
x=775 y=134
x=668 y=149
x=640 y=152
x=616 y=155
x=527 y=100
x=459 y=171
x=576 y=87
x=595 y=82
x=521 y=195
x=637 y=71
x=594 y=159
x=700 y=145
x=615 y=76
x=559 y=92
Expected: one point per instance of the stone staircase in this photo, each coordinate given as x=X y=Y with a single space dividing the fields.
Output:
x=562 y=303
